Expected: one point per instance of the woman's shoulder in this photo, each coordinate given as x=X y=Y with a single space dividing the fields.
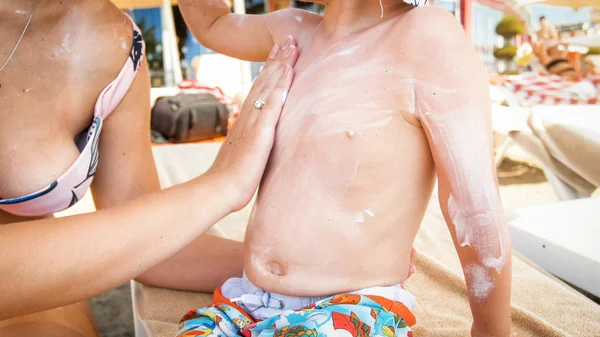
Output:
x=102 y=15
x=100 y=32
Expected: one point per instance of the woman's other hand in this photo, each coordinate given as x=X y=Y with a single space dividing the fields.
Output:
x=243 y=156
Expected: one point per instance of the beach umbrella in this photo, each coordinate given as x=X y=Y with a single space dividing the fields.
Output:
x=564 y=3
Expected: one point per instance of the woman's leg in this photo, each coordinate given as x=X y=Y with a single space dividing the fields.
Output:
x=76 y=320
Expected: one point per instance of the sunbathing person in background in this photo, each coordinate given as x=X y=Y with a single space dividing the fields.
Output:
x=556 y=61
x=386 y=96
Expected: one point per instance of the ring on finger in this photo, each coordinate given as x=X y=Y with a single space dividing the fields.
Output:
x=259 y=104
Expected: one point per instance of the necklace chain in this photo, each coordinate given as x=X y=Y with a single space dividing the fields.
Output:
x=21 y=37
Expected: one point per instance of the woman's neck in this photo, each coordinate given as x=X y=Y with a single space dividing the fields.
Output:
x=344 y=17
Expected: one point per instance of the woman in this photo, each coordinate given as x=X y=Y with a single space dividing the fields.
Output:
x=75 y=113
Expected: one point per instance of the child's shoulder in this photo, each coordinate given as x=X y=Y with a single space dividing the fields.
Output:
x=427 y=32
x=431 y=42
x=429 y=22
x=297 y=19
x=295 y=22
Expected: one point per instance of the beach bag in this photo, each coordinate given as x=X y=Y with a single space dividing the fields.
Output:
x=189 y=117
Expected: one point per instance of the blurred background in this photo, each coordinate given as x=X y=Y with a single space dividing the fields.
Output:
x=171 y=46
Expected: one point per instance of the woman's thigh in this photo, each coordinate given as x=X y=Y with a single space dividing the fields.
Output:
x=75 y=320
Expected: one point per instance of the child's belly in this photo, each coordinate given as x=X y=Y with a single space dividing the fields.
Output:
x=340 y=203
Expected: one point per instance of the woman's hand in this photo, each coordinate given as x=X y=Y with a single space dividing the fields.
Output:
x=243 y=156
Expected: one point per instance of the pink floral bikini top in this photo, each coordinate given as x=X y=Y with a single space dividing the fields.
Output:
x=70 y=187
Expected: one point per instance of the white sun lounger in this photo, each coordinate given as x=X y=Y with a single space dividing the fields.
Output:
x=562 y=238
x=217 y=70
x=566 y=142
x=504 y=121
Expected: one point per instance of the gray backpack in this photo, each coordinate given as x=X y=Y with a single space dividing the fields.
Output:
x=189 y=117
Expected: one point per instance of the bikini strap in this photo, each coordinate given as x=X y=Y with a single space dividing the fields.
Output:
x=112 y=95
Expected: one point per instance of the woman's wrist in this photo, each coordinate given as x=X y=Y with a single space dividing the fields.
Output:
x=221 y=189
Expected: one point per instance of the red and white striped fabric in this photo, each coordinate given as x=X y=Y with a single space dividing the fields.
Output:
x=197 y=87
x=551 y=90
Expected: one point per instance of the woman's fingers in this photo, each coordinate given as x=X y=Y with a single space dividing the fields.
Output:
x=289 y=52
x=282 y=56
x=276 y=88
x=273 y=53
x=272 y=71
x=275 y=92
x=245 y=153
x=286 y=58
x=275 y=101
x=262 y=78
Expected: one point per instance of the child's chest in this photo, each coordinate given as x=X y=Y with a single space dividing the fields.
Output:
x=347 y=89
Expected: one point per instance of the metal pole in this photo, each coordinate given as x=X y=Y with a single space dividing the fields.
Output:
x=171 y=62
x=239 y=7
x=466 y=15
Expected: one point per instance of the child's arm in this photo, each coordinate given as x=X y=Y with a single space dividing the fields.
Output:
x=460 y=141
x=246 y=37
x=451 y=98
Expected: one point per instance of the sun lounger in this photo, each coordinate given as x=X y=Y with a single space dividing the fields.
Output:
x=562 y=238
x=566 y=142
x=541 y=304
x=504 y=120
x=508 y=127
x=217 y=70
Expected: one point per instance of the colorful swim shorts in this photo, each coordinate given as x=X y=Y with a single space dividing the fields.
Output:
x=242 y=309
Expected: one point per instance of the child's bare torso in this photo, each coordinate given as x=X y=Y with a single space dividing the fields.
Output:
x=350 y=174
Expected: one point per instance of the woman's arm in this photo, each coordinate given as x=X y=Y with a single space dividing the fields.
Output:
x=126 y=170
x=204 y=265
x=54 y=262
x=452 y=102
x=246 y=37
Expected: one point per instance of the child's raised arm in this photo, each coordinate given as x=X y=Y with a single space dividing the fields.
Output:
x=246 y=37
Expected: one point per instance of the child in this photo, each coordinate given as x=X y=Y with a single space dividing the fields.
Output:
x=386 y=96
